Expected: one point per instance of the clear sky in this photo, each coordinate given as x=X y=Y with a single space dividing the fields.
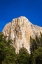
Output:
x=10 y=9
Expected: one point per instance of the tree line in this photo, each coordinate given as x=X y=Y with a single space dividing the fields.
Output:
x=8 y=55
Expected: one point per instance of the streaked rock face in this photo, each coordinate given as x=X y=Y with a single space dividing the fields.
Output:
x=20 y=30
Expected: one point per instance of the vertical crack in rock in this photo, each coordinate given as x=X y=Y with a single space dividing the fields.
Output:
x=20 y=30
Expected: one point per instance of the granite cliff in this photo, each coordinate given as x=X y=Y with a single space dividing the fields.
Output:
x=20 y=30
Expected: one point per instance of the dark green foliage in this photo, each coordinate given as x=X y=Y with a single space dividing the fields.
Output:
x=7 y=52
x=23 y=51
x=23 y=57
x=40 y=38
x=36 y=50
x=35 y=43
x=37 y=56
x=8 y=55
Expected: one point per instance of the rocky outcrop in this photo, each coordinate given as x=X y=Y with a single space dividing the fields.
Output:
x=20 y=30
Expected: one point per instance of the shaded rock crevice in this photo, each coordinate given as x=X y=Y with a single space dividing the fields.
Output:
x=20 y=30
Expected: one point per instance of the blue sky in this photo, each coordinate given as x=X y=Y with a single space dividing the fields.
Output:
x=10 y=9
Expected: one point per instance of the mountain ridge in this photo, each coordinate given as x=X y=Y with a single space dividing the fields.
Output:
x=20 y=30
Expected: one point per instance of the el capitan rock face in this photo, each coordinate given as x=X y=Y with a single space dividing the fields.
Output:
x=20 y=30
